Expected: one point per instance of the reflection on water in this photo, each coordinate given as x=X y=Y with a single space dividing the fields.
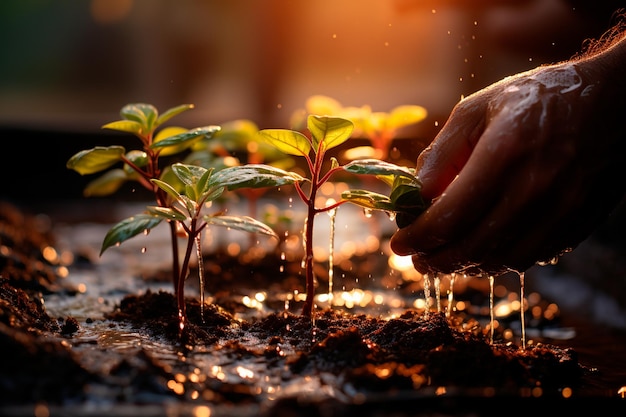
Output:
x=494 y=303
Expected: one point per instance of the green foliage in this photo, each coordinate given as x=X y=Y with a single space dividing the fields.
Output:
x=206 y=170
x=180 y=190
x=140 y=164
x=327 y=132
x=379 y=127
x=405 y=199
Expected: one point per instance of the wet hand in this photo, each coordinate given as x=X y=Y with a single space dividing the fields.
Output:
x=521 y=172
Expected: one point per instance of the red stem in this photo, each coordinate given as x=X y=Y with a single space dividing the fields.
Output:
x=180 y=293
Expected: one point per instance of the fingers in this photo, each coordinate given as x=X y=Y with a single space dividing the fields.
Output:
x=534 y=221
x=466 y=199
x=440 y=163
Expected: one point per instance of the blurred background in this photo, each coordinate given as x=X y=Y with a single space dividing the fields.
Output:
x=68 y=67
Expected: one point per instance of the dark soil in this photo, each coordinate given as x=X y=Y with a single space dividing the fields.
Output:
x=376 y=366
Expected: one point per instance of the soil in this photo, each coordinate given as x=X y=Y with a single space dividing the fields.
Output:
x=236 y=359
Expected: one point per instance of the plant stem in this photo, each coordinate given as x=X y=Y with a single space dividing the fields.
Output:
x=180 y=293
x=307 y=308
x=175 y=260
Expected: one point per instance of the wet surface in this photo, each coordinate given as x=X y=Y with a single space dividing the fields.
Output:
x=117 y=348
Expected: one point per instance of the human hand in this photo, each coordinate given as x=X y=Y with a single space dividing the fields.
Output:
x=522 y=171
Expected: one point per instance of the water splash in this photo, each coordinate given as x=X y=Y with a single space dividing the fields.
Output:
x=331 y=250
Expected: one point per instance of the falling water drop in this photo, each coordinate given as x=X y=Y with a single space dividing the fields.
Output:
x=437 y=285
x=522 y=308
x=491 y=308
x=181 y=322
x=200 y=272
x=451 y=295
x=426 y=295
x=331 y=250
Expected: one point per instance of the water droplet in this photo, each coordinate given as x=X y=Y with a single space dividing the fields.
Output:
x=367 y=212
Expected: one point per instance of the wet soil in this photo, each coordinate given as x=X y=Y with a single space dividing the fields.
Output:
x=236 y=358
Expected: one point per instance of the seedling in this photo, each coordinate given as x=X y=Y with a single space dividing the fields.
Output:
x=327 y=132
x=180 y=190
x=237 y=143
x=142 y=164
x=378 y=127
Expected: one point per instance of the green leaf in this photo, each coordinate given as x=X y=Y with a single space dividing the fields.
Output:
x=254 y=176
x=368 y=199
x=236 y=134
x=407 y=198
x=378 y=167
x=174 y=111
x=330 y=131
x=203 y=185
x=245 y=223
x=407 y=202
x=167 y=132
x=288 y=141
x=212 y=194
x=190 y=205
x=167 y=213
x=190 y=174
x=142 y=113
x=320 y=104
x=186 y=139
x=94 y=160
x=128 y=228
x=191 y=193
x=167 y=188
x=405 y=115
x=128 y=126
x=137 y=157
x=106 y=184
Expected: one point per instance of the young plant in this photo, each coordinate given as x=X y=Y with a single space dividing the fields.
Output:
x=199 y=187
x=327 y=132
x=378 y=127
x=238 y=143
x=142 y=164
x=181 y=190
